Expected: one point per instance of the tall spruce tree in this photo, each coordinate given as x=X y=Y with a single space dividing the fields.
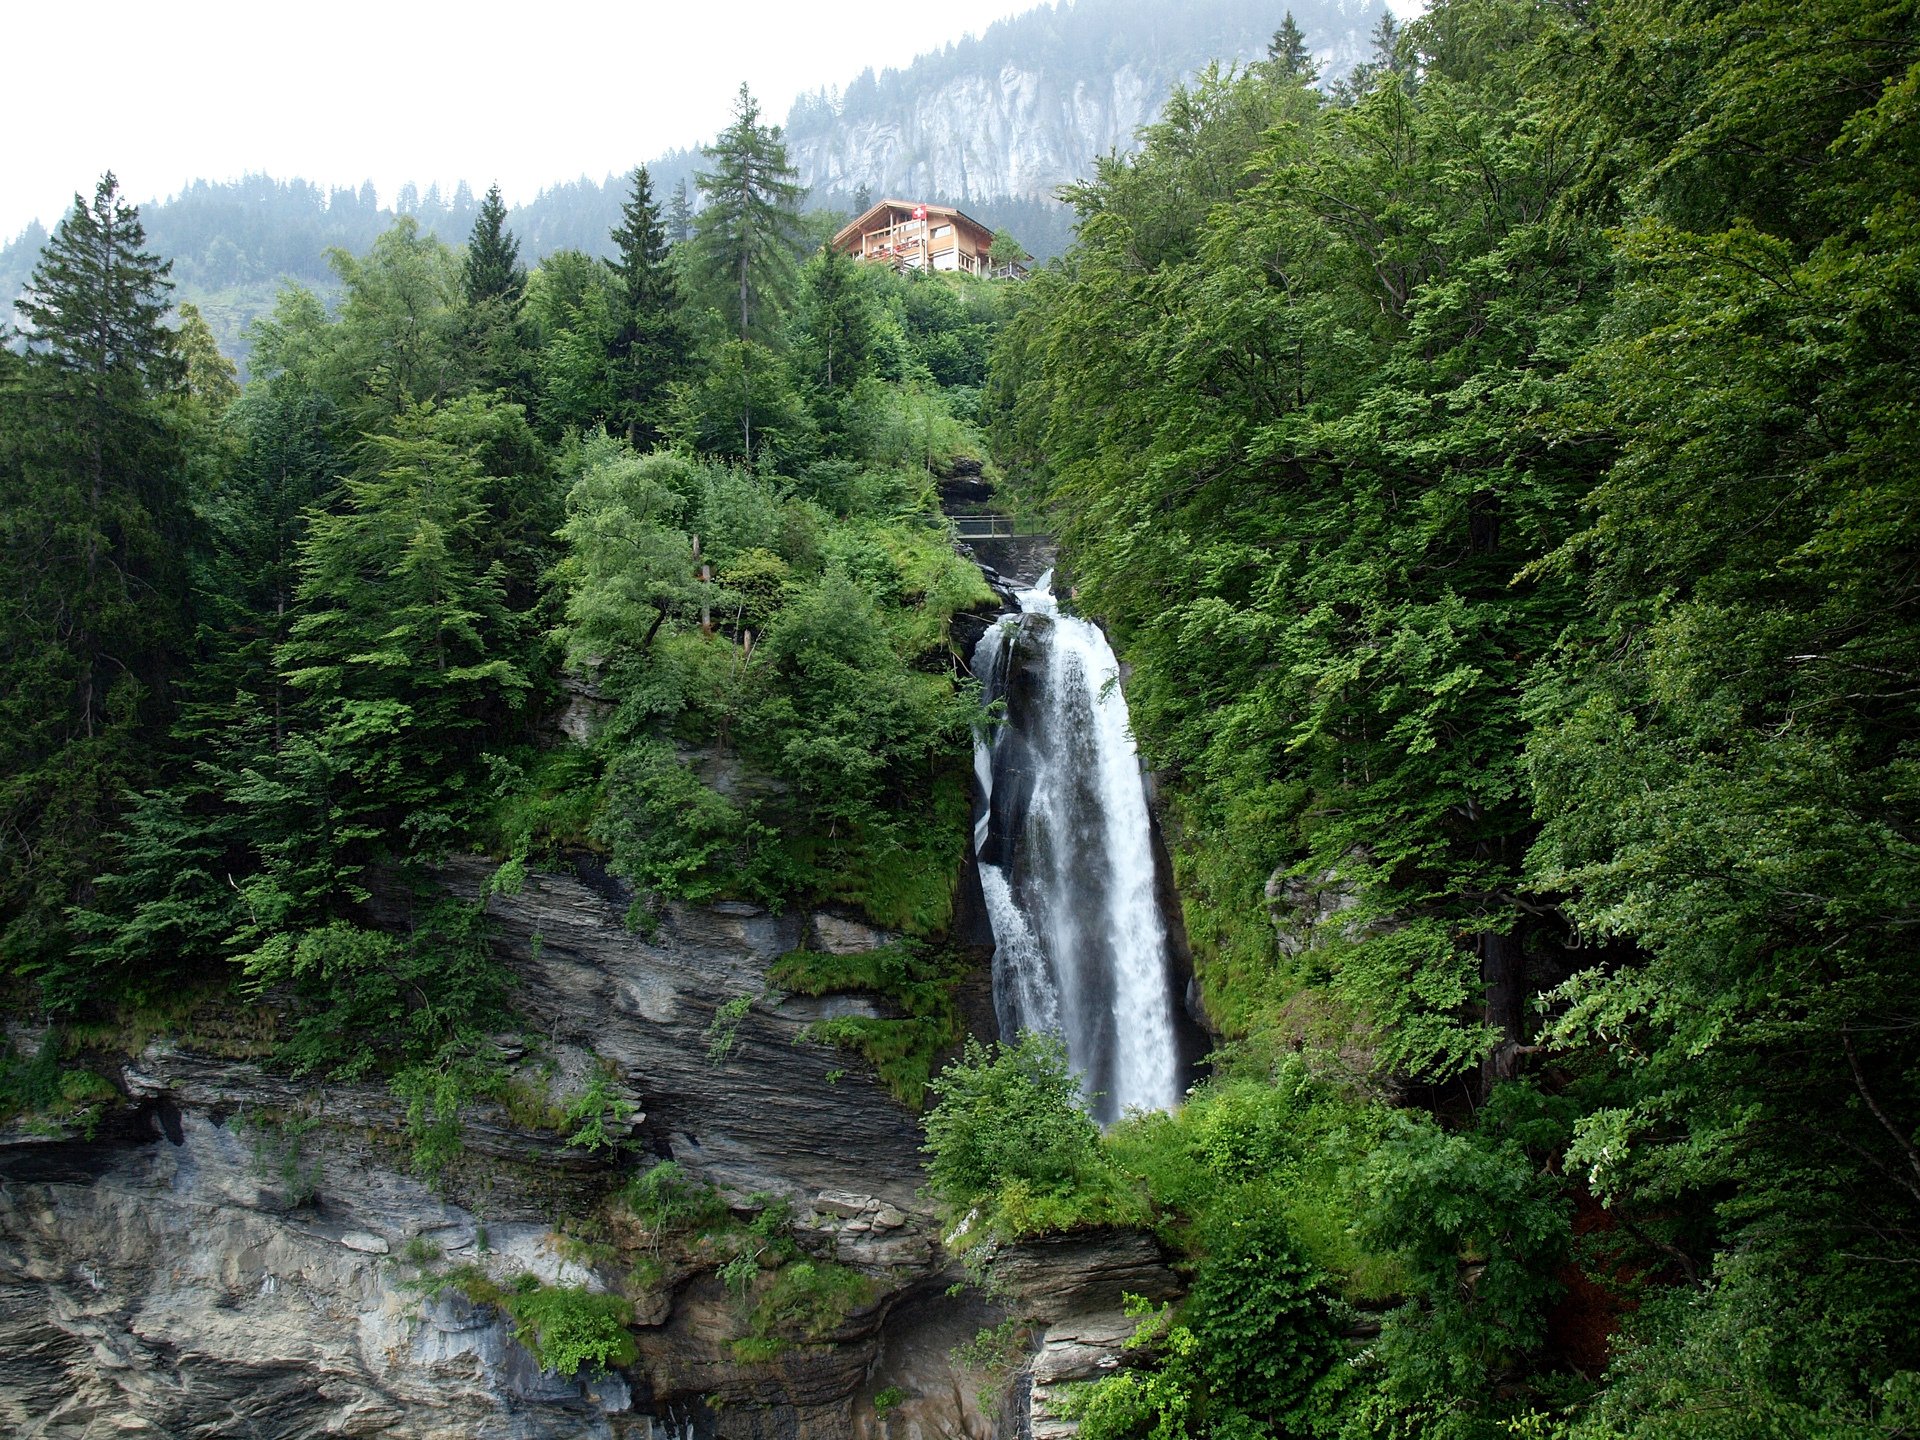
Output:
x=1288 y=54
x=92 y=522
x=649 y=348
x=749 y=233
x=493 y=271
x=495 y=285
x=679 y=215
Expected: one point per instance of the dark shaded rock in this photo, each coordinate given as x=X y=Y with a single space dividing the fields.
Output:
x=1054 y=1276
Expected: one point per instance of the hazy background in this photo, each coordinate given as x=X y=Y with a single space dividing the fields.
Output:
x=398 y=91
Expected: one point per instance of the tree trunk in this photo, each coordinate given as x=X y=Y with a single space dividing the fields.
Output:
x=1503 y=970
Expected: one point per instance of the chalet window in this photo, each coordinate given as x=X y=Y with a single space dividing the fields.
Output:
x=940 y=230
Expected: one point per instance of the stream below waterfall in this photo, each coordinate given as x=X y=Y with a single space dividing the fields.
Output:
x=1067 y=867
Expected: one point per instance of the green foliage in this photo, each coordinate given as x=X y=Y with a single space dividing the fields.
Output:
x=648 y=346
x=94 y=422
x=746 y=235
x=280 y=1153
x=803 y=1300
x=569 y=1327
x=724 y=1029
x=1012 y=1150
x=49 y=1097
x=1296 y=1141
x=673 y=835
x=596 y=1113
x=667 y=1200
x=1481 y=1234
x=918 y=978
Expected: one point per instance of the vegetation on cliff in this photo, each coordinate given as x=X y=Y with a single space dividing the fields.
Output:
x=272 y=653
x=1501 y=478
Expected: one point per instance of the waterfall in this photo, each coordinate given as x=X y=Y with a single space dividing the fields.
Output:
x=1066 y=859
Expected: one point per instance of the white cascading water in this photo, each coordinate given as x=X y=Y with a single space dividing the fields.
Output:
x=1066 y=859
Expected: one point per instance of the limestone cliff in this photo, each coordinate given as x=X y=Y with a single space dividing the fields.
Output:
x=1038 y=99
x=237 y=1252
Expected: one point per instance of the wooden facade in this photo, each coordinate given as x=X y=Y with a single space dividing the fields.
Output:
x=912 y=235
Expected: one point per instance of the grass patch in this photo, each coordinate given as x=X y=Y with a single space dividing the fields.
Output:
x=902 y=1052
x=918 y=977
x=805 y=1300
x=565 y=1327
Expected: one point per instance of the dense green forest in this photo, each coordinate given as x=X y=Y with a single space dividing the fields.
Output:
x=1500 y=475
x=233 y=244
x=1502 y=479
x=272 y=653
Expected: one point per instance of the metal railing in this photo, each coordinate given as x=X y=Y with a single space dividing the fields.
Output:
x=994 y=527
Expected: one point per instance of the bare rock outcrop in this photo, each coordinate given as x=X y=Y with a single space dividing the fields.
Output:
x=237 y=1251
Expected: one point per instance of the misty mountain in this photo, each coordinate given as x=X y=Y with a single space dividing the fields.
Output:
x=1017 y=112
x=994 y=123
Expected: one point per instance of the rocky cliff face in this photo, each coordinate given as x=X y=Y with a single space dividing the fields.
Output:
x=1038 y=99
x=1011 y=133
x=235 y=1252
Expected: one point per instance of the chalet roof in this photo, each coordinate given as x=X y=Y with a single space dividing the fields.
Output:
x=873 y=212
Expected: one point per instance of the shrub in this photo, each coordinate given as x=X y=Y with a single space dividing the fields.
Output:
x=668 y=1201
x=810 y=1299
x=566 y=1326
x=1009 y=1112
x=1011 y=1138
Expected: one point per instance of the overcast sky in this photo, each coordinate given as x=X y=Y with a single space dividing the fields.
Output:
x=351 y=90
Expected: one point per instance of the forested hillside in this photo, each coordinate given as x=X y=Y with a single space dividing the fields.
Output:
x=273 y=654
x=1504 y=488
x=1500 y=474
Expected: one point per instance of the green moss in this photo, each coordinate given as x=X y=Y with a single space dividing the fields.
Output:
x=804 y=1300
x=564 y=1326
x=920 y=978
x=902 y=1052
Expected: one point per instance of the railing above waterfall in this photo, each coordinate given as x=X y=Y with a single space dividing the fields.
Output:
x=995 y=527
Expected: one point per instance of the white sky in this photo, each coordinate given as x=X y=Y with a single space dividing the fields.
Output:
x=341 y=91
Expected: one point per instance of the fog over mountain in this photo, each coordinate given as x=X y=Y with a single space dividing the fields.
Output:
x=995 y=123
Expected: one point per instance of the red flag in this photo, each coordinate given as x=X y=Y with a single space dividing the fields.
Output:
x=919 y=212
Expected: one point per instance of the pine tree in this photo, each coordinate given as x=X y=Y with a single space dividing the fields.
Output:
x=92 y=524
x=863 y=198
x=836 y=328
x=649 y=347
x=1288 y=53
x=680 y=215
x=640 y=244
x=749 y=232
x=493 y=270
x=495 y=284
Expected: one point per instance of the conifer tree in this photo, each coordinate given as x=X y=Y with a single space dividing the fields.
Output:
x=749 y=233
x=679 y=215
x=92 y=522
x=649 y=347
x=1288 y=54
x=493 y=270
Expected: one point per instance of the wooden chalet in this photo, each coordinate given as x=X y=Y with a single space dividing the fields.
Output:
x=914 y=235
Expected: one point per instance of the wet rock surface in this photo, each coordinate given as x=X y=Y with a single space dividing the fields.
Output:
x=1071 y=1290
x=240 y=1252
